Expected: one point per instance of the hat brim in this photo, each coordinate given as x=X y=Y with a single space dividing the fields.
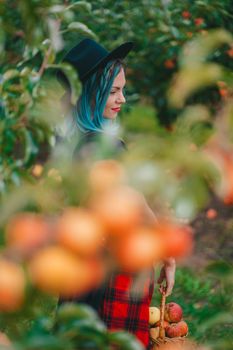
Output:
x=120 y=52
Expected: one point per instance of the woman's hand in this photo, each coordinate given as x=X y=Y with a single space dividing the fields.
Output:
x=167 y=276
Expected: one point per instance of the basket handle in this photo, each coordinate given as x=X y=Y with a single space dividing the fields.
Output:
x=162 y=310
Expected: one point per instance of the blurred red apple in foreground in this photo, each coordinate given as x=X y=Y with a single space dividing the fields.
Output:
x=27 y=231
x=12 y=286
x=138 y=250
x=58 y=271
x=106 y=174
x=119 y=210
x=178 y=239
x=80 y=231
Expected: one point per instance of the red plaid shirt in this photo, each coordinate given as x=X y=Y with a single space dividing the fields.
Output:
x=126 y=305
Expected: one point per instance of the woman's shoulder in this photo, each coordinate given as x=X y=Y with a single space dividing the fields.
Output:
x=87 y=142
x=91 y=142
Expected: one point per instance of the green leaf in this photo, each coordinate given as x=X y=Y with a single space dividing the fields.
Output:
x=81 y=5
x=45 y=45
x=25 y=72
x=10 y=74
x=30 y=147
x=85 y=327
x=81 y=28
x=57 y=9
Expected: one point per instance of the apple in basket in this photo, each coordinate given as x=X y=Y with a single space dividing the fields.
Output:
x=179 y=329
x=173 y=312
x=165 y=324
x=154 y=315
x=154 y=333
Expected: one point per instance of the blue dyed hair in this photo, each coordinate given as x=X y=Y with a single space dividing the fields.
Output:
x=88 y=112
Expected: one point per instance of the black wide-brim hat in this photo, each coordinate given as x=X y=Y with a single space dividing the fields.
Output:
x=88 y=56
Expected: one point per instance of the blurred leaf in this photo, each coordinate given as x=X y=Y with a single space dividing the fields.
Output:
x=80 y=5
x=190 y=197
x=72 y=311
x=80 y=28
x=14 y=202
x=30 y=146
x=57 y=9
x=196 y=51
x=195 y=123
x=190 y=79
x=124 y=340
x=191 y=115
x=221 y=268
x=10 y=74
x=72 y=77
x=45 y=45
x=84 y=332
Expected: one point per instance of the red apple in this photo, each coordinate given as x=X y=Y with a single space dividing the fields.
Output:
x=179 y=329
x=165 y=324
x=173 y=312
x=186 y=14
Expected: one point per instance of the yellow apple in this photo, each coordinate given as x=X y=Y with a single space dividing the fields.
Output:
x=154 y=315
x=154 y=333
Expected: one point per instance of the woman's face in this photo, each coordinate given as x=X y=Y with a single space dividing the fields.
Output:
x=116 y=96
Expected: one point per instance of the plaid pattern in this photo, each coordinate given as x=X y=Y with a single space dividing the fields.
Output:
x=124 y=309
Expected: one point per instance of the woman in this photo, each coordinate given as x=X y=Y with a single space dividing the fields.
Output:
x=97 y=107
x=103 y=81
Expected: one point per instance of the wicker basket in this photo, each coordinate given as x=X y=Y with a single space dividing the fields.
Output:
x=176 y=343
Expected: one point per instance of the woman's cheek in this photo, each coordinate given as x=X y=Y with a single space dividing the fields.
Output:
x=109 y=105
x=110 y=102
